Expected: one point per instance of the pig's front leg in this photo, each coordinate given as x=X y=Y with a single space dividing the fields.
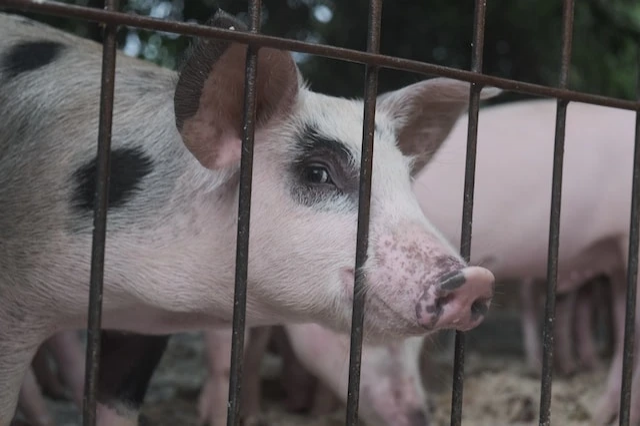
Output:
x=529 y=298
x=214 y=396
x=127 y=364
x=251 y=383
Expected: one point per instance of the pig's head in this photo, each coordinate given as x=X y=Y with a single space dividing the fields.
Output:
x=305 y=193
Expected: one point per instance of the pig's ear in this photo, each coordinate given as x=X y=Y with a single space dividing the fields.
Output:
x=424 y=114
x=209 y=95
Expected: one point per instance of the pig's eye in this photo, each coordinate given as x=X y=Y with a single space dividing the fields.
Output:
x=318 y=174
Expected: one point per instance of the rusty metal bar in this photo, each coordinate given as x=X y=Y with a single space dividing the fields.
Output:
x=244 y=211
x=367 y=58
x=100 y=221
x=554 y=225
x=364 y=202
x=467 y=204
x=632 y=275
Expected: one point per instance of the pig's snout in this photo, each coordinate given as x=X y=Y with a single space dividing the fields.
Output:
x=460 y=300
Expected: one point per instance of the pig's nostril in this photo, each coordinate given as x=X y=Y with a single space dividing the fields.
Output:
x=418 y=418
x=452 y=281
x=479 y=309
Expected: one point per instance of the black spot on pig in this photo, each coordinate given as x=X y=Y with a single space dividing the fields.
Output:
x=29 y=56
x=129 y=166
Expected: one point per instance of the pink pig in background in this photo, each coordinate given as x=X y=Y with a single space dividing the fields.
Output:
x=513 y=200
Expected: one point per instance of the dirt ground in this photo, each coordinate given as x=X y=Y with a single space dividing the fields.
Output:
x=497 y=391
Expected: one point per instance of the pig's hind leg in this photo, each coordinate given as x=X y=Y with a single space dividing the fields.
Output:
x=252 y=390
x=127 y=364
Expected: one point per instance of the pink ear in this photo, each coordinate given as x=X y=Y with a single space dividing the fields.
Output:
x=209 y=95
x=425 y=113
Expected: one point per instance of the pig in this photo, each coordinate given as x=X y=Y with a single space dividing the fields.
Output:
x=391 y=390
x=513 y=195
x=173 y=197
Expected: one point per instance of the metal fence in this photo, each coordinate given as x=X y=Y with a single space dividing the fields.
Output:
x=110 y=18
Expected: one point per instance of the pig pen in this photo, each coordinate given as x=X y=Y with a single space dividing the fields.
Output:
x=498 y=389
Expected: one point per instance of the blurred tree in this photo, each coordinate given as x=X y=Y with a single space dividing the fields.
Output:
x=522 y=39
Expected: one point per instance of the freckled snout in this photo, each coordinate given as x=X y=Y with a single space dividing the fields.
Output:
x=460 y=300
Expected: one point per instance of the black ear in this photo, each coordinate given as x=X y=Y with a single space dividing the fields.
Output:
x=209 y=96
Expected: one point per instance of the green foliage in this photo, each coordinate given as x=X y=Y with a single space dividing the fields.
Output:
x=522 y=38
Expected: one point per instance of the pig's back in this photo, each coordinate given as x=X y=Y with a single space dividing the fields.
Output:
x=513 y=183
x=49 y=113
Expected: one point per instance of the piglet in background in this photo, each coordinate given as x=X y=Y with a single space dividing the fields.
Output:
x=315 y=376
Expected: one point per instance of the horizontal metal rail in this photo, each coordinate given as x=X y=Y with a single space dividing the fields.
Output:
x=382 y=61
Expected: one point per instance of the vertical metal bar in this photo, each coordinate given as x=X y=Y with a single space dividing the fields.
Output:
x=364 y=197
x=554 y=225
x=632 y=275
x=467 y=204
x=100 y=220
x=244 y=211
